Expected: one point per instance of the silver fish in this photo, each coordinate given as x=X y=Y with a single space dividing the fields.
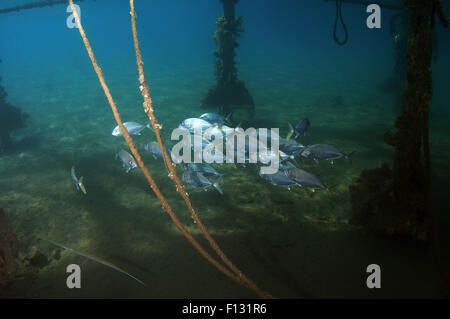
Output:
x=303 y=178
x=193 y=124
x=323 y=152
x=270 y=155
x=197 y=179
x=78 y=182
x=299 y=129
x=219 y=131
x=215 y=118
x=228 y=130
x=199 y=138
x=127 y=160
x=154 y=149
x=285 y=165
x=279 y=178
x=132 y=127
x=291 y=146
x=203 y=168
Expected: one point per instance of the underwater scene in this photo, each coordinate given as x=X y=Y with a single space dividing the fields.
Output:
x=354 y=101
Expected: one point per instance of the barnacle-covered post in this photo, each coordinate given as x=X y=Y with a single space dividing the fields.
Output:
x=396 y=200
x=228 y=93
x=398 y=27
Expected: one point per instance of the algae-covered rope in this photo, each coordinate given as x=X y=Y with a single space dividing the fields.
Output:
x=172 y=173
x=144 y=169
x=339 y=17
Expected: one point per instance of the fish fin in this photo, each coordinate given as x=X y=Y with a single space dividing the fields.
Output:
x=80 y=186
x=238 y=126
x=83 y=189
x=348 y=156
x=218 y=188
x=227 y=120
x=330 y=189
x=149 y=126
x=216 y=184
x=291 y=131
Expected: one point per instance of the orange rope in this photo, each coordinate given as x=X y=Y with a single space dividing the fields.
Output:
x=141 y=164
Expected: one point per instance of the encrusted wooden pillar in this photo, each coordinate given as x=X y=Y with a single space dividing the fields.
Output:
x=228 y=93
x=396 y=200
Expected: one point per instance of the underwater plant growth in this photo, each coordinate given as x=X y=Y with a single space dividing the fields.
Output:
x=229 y=93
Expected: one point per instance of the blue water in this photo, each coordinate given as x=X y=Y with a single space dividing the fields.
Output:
x=292 y=243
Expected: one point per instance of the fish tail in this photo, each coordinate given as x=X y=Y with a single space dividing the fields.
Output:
x=348 y=156
x=227 y=119
x=296 y=163
x=81 y=186
x=291 y=131
x=217 y=186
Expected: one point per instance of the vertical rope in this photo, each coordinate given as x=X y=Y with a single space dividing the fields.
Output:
x=144 y=169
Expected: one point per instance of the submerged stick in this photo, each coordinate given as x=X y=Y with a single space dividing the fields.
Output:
x=97 y=260
x=173 y=174
x=144 y=169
